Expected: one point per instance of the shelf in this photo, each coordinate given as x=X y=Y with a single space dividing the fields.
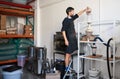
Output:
x=18 y=12
x=15 y=12
x=8 y=61
x=102 y=59
x=16 y=36
x=88 y=58
x=102 y=22
x=110 y=30
x=91 y=42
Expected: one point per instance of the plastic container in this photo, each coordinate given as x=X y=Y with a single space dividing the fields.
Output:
x=12 y=75
x=94 y=74
x=20 y=1
x=21 y=60
x=4 y=66
x=94 y=77
x=20 y=29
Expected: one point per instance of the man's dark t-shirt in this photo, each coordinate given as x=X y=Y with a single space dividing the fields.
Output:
x=68 y=27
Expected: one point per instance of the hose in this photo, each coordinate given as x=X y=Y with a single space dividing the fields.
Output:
x=108 y=44
x=100 y=40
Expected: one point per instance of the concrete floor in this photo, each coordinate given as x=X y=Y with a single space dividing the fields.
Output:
x=29 y=75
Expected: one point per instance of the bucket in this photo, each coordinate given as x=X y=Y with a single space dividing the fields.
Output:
x=94 y=74
x=21 y=60
x=12 y=75
x=4 y=66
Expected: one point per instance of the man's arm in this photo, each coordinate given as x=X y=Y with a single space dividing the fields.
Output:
x=78 y=14
x=87 y=10
x=65 y=38
x=81 y=12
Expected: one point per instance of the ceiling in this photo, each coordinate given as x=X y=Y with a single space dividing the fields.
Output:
x=43 y=3
x=19 y=1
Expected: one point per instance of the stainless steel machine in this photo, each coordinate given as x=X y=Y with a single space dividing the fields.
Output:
x=40 y=61
x=37 y=60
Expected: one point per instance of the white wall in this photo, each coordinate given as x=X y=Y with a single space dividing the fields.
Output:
x=110 y=9
x=53 y=15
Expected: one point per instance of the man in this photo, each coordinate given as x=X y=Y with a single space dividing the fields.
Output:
x=69 y=34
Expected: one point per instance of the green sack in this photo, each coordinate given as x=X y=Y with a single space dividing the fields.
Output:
x=7 y=47
x=22 y=52
x=8 y=52
x=23 y=45
x=3 y=58
x=26 y=41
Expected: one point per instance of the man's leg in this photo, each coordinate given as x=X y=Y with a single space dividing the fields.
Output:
x=67 y=60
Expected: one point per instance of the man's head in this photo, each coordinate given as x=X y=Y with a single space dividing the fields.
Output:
x=70 y=11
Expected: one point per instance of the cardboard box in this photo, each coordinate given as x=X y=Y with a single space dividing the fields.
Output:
x=11 y=32
x=28 y=31
x=2 y=32
x=2 y=22
x=28 y=27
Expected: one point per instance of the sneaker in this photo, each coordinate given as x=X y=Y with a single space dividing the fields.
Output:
x=67 y=69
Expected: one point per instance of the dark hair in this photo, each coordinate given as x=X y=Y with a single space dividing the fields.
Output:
x=69 y=9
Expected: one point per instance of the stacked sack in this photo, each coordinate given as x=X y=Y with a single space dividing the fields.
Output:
x=28 y=30
x=24 y=44
x=8 y=51
x=2 y=32
x=11 y=30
